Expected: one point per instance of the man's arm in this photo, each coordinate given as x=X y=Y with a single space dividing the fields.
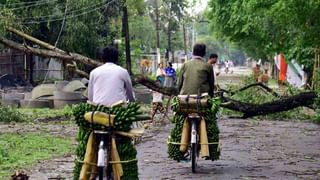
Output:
x=211 y=81
x=180 y=80
x=90 y=88
x=128 y=86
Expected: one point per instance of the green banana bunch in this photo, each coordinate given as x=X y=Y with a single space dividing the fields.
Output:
x=123 y=120
x=211 y=124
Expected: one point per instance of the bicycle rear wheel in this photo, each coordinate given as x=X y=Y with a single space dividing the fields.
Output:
x=194 y=147
x=193 y=157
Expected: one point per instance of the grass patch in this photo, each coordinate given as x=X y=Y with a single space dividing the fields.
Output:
x=9 y=114
x=20 y=151
x=45 y=112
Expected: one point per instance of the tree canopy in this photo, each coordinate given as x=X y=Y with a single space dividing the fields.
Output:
x=263 y=28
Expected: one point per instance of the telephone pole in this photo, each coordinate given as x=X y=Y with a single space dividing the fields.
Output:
x=158 y=32
x=125 y=26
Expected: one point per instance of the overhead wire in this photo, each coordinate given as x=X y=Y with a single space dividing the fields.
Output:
x=70 y=12
x=23 y=3
x=32 y=5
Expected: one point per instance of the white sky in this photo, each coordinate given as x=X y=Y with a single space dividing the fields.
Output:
x=200 y=6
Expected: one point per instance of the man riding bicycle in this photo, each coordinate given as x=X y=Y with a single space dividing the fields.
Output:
x=110 y=82
x=196 y=75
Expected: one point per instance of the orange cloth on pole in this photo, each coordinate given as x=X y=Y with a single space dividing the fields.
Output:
x=283 y=68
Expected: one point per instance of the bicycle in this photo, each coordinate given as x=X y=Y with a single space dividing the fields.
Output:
x=106 y=155
x=193 y=104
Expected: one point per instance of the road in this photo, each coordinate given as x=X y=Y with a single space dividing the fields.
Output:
x=250 y=150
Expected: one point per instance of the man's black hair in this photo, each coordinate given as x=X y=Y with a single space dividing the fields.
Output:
x=170 y=64
x=199 y=50
x=110 y=54
x=213 y=56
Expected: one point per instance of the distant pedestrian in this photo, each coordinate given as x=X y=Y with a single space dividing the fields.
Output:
x=170 y=76
x=157 y=104
x=256 y=72
x=160 y=74
x=213 y=61
x=226 y=66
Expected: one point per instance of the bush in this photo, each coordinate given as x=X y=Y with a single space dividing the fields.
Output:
x=9 y=114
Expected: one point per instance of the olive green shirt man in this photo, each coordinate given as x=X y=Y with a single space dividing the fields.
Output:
x=196 y=75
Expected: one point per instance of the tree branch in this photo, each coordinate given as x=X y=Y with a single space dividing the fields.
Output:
x=284 y=104
x=250 y=86
x=140 y=79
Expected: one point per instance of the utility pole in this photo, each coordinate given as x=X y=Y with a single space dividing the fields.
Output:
x=158 y=32
x=169 y=33
x=125 y=26
x=184 y=41
x=193 y=34
x=169 y=39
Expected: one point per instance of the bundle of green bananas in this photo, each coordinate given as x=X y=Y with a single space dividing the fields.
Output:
x=212 y=133
x=128 y=152
x=123 y=121
x=175 y=136
x=211 y=124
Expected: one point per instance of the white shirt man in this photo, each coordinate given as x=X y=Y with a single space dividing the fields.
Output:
x=110 y=83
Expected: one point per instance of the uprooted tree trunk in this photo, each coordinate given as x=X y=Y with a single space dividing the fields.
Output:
x=248 y=110
x=283 y=104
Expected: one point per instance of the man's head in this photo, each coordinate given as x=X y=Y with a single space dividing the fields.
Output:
x=110 y=54
x=213 y=58
x=199 y=50
x=160 y=65
x=170 y=64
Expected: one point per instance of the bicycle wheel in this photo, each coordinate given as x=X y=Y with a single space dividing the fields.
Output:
x=194 y=148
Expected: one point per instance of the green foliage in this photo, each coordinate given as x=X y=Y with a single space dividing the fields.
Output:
x=263 y=28
x=18 y=151
x=10 y=114
x=224 y=49
x=6 y=19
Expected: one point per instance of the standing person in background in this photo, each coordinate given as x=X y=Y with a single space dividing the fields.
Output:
x=226 y=66
x=110 y=83
x=257 y=72
x=170 y=76
x=196 y=75
x=160 y=74
x=213 y=59
x=157 y=104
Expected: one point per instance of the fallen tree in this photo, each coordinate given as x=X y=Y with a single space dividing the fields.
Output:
x=248 y=109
